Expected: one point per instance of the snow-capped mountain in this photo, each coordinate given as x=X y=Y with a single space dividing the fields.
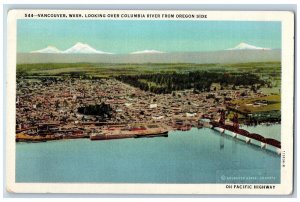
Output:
x=78 y=48
x=222 y=57
x=83 y=48
x=48 y=49
x=245 y=46
x=147 y=52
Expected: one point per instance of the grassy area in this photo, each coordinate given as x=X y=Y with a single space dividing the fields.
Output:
x=269 y=69
x=272 y=103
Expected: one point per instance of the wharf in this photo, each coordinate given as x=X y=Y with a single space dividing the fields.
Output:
x=133 y=132
x=112 y=131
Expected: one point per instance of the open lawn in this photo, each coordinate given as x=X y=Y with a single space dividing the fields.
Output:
x=263 y=104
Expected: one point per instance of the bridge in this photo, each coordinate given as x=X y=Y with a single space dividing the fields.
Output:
x=244 y=135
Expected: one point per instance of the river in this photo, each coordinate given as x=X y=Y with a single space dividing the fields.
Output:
x=195 y=156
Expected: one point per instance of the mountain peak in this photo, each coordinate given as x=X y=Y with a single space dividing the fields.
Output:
x=84 y=48
x=147 y=52
x=245 y=46
x=48 y=49
x=78 y=48
x=80 y=44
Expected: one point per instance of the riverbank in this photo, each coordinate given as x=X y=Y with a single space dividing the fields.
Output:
x=194 y=156
x=93 y=132
x=253 y=136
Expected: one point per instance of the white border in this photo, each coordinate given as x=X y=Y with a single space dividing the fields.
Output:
x=287 y=19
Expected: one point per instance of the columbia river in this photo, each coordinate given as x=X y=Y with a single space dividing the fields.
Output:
x=195 y=156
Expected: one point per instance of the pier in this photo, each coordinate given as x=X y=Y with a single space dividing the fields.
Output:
x=48 y=132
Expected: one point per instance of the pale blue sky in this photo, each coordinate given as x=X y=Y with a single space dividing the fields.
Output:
x=123 y=37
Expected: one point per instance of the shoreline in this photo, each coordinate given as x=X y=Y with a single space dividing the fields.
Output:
x=111 y=133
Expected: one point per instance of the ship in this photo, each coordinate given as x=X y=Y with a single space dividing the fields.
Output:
x=155 y=133
x=23 y=137
x=129 y=132
x=76 y=134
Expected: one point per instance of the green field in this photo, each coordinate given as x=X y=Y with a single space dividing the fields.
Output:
x=250 y=114
x=247 y=105
x=272 y=70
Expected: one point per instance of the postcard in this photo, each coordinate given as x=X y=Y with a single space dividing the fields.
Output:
x=150 y=102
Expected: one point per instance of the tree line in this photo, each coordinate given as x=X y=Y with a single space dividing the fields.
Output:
x=162 y=83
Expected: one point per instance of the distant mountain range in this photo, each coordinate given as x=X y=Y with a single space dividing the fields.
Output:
x=147 y=52
x=82 y=48
x=81 y=52
x=48 y=49
x=78 y=48
x=245 y=46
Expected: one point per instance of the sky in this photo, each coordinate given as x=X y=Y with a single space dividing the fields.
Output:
x=125 y=36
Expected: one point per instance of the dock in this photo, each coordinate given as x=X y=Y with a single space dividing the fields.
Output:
x=92 y=130
x=140 y=131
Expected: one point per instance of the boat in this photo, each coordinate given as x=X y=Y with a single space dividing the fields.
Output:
x=76 y=136
x=97 y=136
x=23 y=137
x=120 y=133
x=162 y=134
x=109 y=135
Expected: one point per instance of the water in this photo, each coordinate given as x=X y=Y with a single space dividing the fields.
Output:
x=195 y=156
x=272 y=131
